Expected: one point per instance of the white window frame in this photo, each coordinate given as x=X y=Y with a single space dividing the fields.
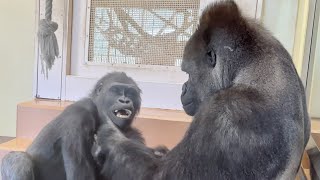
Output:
x=161 y=86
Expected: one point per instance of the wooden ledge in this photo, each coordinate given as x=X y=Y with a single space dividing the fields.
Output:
x=164 y=114
x=46 y=104
x=315 y=126
x=17 y=144
x=145 y=113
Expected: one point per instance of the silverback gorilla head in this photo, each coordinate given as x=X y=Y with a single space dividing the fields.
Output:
x=211 y=59
x=117 y=97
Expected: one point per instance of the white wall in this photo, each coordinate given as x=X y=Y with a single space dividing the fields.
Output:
x=17 y=19
x=280 y=17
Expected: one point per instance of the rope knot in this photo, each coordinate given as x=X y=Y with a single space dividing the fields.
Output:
x=47 y=27
x=48 y=44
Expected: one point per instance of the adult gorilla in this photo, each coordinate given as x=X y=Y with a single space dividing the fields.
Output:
x=250 y=117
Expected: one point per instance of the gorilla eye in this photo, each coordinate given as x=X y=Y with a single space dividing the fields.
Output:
x=211 y=57
x=115 y=89
x=132 y=93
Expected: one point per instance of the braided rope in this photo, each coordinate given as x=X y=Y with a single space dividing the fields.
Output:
x=48 y=14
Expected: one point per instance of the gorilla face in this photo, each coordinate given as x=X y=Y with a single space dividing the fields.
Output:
x=199 y=62
x=119 y=101
x=214 y=54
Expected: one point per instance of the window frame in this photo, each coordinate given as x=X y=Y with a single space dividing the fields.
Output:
x=161 y=86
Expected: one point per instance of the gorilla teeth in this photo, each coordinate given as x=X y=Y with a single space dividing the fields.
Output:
x=122 y=116
x=123 y=113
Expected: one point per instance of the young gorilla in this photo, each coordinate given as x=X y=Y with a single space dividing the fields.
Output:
x=250 y=117
x=62 y=150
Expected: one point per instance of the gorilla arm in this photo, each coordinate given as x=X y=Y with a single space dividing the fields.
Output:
x=125 y=158
x=75 y=153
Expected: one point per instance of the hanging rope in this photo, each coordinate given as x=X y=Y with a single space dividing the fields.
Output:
x=49 y=48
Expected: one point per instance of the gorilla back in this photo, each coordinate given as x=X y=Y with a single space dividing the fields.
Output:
x=250 y=118
x=65 y=143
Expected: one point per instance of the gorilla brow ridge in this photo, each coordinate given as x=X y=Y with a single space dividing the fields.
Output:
x=120 y=77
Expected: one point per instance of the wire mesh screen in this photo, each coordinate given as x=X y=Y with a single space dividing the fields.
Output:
x=143 y=32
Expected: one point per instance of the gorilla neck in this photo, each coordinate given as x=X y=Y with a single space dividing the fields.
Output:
x=103 y=116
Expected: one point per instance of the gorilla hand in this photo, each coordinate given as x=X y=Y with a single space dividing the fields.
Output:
x=113 y=147
x=160 y=151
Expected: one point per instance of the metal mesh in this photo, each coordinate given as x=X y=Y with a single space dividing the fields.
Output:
x=147 y=32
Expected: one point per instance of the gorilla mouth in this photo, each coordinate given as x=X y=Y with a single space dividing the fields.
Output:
x=122 y=113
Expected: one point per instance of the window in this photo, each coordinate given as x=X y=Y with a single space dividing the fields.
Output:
x=140 y=32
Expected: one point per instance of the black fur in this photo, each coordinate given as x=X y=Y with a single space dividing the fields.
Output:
x=62 y=150
x=250 y=117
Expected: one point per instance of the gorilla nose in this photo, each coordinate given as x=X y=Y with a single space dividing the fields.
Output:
x=124 y=100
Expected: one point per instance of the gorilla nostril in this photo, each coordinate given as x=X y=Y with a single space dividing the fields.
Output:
x=124 y=101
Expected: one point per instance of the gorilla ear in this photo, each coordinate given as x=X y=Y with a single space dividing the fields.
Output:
x=211 y=58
